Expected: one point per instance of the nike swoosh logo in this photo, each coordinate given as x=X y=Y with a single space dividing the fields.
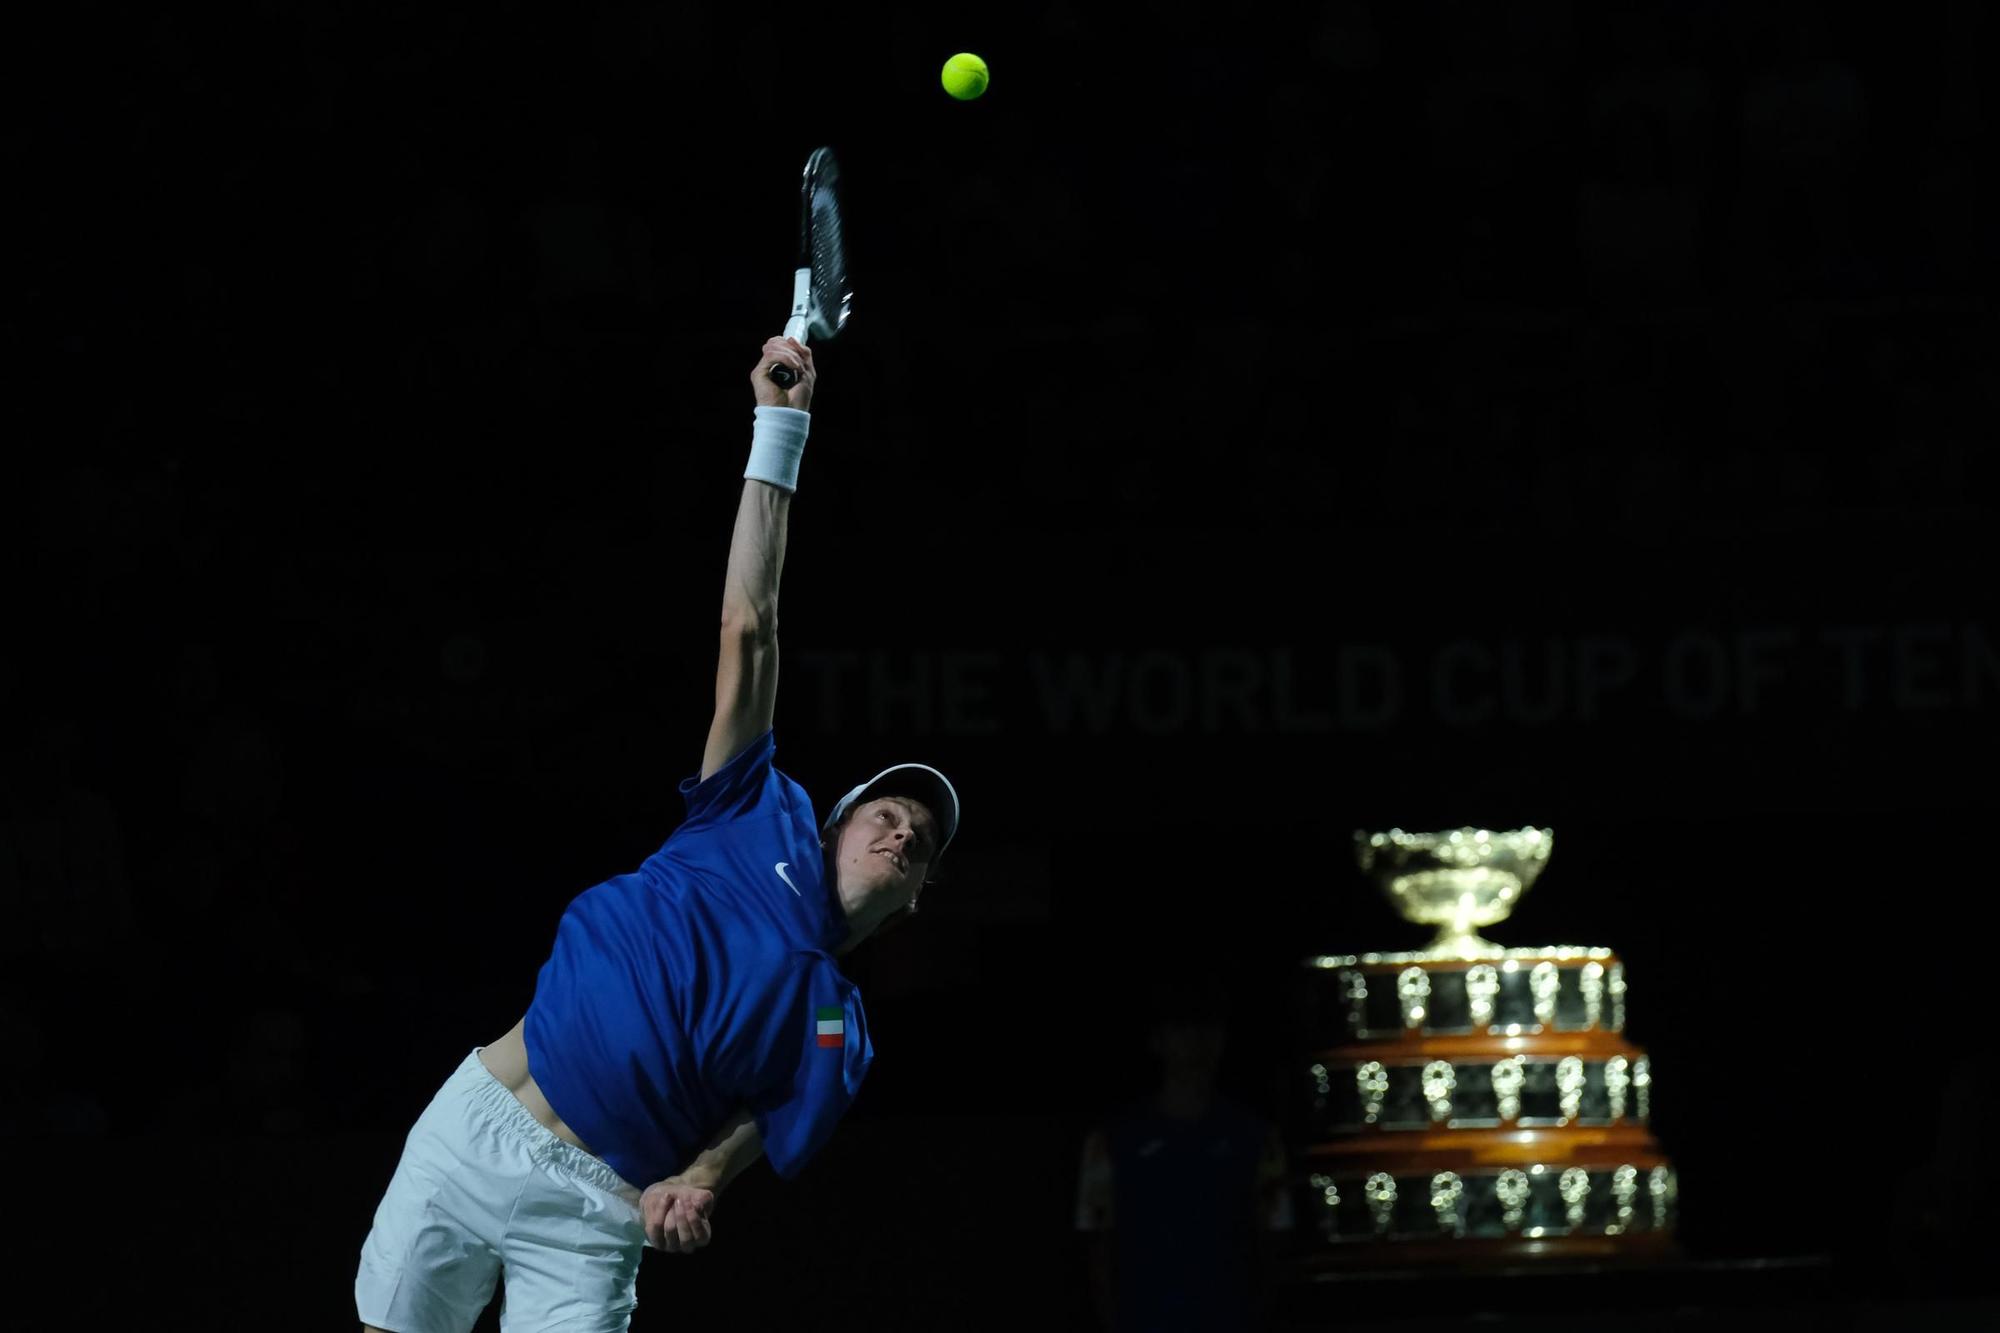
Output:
x=780 y=868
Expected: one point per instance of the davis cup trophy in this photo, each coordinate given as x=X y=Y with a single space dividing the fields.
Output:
x=1470 y=1103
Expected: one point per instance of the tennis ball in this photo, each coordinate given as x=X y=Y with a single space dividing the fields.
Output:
x=965 y=76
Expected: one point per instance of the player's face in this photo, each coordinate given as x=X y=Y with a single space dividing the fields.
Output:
x=1189 y=1049
x=885 y=850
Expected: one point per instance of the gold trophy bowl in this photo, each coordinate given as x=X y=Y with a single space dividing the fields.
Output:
x=1458 y=880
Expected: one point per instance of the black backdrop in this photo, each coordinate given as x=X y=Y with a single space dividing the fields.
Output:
x=1251 y=429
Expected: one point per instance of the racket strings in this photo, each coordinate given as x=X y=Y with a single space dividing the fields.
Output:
x=830 y=294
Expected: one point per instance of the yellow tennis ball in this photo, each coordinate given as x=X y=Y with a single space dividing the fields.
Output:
x=965 y=76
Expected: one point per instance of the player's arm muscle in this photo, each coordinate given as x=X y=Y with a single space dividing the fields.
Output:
x=735 y=1146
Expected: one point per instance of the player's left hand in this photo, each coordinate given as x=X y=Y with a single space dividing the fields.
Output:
x=676 y=1215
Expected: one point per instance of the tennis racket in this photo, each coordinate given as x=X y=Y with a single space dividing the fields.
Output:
x=820 y=294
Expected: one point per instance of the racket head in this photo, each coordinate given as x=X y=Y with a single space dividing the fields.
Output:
x=822 y=246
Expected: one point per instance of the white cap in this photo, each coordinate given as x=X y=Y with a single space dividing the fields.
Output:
x=923 y=782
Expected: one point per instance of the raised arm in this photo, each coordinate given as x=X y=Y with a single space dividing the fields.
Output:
x=746 y=673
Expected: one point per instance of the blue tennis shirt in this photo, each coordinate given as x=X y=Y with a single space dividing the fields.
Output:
x=704 y=982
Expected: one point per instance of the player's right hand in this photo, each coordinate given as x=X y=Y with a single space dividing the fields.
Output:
x=794 y=356
x=676 y=1216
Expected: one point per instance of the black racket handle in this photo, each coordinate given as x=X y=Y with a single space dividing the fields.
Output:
x=783 y=377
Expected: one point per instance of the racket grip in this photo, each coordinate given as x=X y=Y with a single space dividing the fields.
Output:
x=795 y=328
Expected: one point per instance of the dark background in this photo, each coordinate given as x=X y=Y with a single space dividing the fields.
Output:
x=1254 y=425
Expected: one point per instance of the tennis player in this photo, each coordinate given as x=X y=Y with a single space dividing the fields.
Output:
x=691 y=1016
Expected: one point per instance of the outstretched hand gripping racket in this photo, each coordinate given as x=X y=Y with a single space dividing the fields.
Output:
x=820 y=294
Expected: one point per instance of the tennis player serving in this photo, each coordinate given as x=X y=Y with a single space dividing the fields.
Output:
x=691 y=1015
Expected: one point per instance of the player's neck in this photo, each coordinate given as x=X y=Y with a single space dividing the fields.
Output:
x=861 y=925
x=1185 y=1099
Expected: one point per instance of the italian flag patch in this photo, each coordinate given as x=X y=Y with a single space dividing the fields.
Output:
x=832 y=1025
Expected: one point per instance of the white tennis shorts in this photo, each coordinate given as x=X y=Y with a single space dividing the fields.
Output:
x=483 y=1189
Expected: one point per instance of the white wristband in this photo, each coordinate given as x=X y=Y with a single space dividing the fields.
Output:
x=776 y=443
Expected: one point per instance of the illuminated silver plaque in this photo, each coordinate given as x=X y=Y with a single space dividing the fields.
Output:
x=1381 y=1193
x=1482 y=983
x=1545 y=981
x=1446 y=1191
x=1642 y=1086
x=1357 y=999
x=1508 y=1077
x=1512 y=1191
x=1663 y=1188
x=1569 y=1083
x=1617 y=1081
x=1591 y=981
x=1439 y=1081
x=1575 y=1190
x=1624 y=1191
x=1372 y=1081
x=1413 y=988
x=1328 y=1213
x=1329 y=1198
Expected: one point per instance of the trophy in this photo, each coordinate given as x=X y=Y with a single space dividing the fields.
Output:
x=1457 y=881
x=1469 y=1102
